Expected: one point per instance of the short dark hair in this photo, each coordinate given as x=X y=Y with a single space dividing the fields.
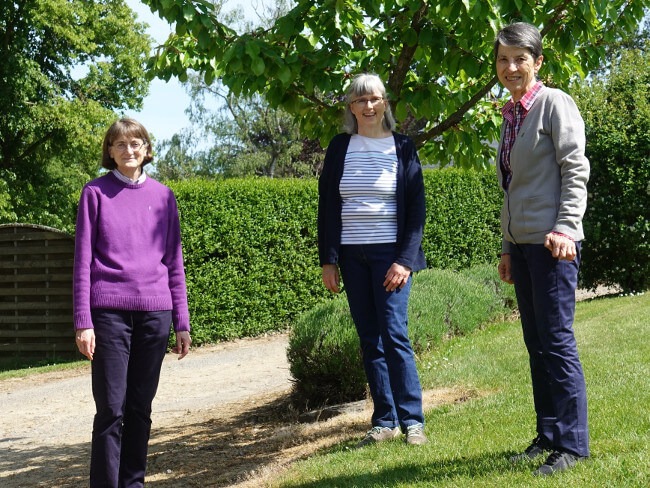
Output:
x=520 y=34
x=129 y=128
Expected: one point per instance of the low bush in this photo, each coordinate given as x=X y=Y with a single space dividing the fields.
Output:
x=324 y=355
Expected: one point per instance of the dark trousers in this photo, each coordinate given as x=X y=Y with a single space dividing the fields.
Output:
x=381 y=321
x=130 y=347
x=545 y=289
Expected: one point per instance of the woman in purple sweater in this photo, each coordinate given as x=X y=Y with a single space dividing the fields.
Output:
x=129 y=288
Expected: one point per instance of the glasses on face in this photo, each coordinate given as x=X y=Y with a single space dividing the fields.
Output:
x=135 y=146
x=362 y=102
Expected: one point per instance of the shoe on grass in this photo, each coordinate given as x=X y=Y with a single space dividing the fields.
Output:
x=415 y=435
x=379 y=434
x=557 y=461
x=538 y=446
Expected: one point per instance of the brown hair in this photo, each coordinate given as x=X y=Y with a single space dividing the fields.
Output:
x=125 y=127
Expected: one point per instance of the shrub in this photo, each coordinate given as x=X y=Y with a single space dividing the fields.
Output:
x=617 y=117
x=324 y=354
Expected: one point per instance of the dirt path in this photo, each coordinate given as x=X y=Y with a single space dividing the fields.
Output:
x=47 y=418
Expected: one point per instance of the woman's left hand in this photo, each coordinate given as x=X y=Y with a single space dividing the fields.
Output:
x=183 y=342
x=396 y=277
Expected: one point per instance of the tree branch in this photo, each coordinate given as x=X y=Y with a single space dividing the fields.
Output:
x=403 y=65
x=455 y=118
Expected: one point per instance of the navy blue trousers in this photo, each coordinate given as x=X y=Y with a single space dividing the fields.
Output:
x=381 y=321
x=130 y=347
x=545 y=289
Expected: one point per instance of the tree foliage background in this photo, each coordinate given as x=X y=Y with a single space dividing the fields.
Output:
x=68 y=68
x=436 y=58
x=616 y=109
x=237 y=135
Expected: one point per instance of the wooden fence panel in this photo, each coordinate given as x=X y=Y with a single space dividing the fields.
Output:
x=36 y=293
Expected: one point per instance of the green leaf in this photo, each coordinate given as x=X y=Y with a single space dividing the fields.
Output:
x=258 y=66
x=188 y=12
x=284 y=74
x=410 y=37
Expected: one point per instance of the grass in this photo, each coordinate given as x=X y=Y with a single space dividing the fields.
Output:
x=470 y=442
x=20 y=369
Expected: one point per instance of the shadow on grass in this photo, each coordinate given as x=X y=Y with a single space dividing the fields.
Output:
x=236 y=443
x=44 y=466
x=462 y=469
x=233 y=448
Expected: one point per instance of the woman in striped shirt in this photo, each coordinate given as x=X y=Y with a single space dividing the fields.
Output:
x=370 y=222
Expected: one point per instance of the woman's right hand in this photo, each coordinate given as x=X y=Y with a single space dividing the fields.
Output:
x=331 y=277
x=504 y=269
x=85 y=339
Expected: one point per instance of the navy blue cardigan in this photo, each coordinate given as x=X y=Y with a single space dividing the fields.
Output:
x=410 y=203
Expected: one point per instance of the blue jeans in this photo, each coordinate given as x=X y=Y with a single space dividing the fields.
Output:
x=545 y=289
x=130 y=347
x=381 y=321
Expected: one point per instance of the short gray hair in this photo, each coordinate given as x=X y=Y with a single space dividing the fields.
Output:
x=365 y=84
x=520 y=34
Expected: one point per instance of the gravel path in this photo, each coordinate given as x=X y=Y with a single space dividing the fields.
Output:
x=47 y=415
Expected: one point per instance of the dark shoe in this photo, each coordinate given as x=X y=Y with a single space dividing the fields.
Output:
x=379 y=434
x=557 y=461
x=537 y=447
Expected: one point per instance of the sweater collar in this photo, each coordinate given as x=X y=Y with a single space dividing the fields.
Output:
x=141 y=179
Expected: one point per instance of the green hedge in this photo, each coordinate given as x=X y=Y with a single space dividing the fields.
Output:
x=324 y=354
x=250 y=245
x=249 y=248
x=462 y=227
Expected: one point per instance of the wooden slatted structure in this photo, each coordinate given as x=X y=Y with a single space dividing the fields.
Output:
x=36 y=293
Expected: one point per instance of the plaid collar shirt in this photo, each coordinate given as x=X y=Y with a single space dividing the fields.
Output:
x=514 y=115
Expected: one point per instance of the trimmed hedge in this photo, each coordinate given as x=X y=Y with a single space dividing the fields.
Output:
x=249 y=249
x=324 y=354
x=250 y=245
x=462 y=227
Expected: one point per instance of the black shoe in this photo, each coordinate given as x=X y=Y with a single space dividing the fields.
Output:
x=537 y=447
x=557 y=461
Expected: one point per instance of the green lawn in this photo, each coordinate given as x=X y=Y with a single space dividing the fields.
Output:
x=470 y=442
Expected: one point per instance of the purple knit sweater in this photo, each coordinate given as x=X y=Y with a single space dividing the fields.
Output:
x=128 y=251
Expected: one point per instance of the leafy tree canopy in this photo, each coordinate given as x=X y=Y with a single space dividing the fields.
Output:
x=435 y=56
x=67 y=67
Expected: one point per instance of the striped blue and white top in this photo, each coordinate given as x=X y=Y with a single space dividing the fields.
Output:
x=368 y=186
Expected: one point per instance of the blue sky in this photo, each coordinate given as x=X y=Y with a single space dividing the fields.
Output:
x=163 y=113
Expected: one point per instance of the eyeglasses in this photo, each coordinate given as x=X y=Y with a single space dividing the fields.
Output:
x=362 y=102
x=135 y=146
